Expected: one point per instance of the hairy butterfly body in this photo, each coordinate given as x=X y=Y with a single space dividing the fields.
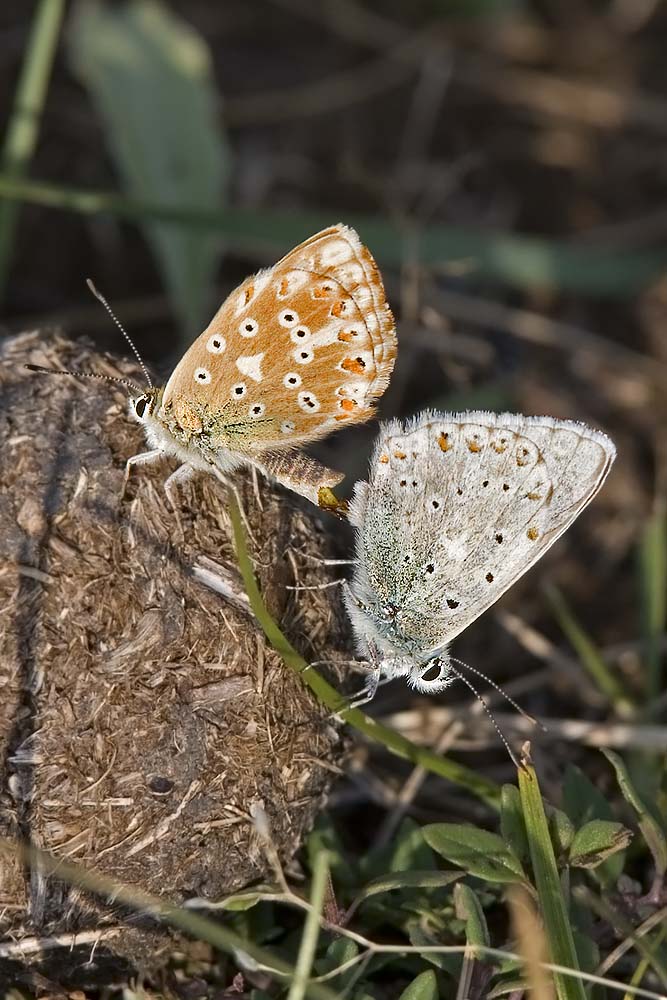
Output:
x=294 y=353
x=458 y=507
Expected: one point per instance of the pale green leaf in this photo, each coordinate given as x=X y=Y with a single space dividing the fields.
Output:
x=424 y=987
x=149 y=75
x=596 y=841
x=479 y=852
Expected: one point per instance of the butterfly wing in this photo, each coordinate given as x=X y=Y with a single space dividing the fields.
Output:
x=295 y=352
x=459 y=506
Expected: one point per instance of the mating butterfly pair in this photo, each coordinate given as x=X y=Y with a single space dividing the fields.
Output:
x=457 y=507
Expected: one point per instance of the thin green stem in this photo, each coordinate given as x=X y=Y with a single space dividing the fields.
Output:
x=476 y=783
x=216 y=934
x=522 y=261
x=23 y=128
x=311 y=928
x=653 y=584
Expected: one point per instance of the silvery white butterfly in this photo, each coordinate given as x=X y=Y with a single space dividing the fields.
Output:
x=457 y=507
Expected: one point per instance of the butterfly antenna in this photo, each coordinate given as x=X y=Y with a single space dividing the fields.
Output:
x=501 y=691
x=98 y=295
x=488 y=711
x=76 y=374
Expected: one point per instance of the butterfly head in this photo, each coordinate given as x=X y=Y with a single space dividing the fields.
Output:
x=144 y=406
x=433 y=675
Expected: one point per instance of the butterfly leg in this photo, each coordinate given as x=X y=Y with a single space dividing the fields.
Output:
x=145 y=458
x=369 y=690
x=180 y=476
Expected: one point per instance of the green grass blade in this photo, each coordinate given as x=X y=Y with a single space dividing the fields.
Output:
x=475 y=783
x=653 y=589
x=215 y=933
x=23 y=129
x=150 y=77
x=560 y=940
x=504 y=258
x=651 y=829
x=311 y=928
x=589 y=655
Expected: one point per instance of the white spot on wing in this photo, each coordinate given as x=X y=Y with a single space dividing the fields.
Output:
x=288 y=318
x=202 y=375
x=216 y=344
x=308 y=401
x=251 y=365
x=335 y=252
x=248 y=327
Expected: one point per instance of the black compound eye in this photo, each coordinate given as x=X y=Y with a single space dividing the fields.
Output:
x=433 y=671
x=140 y=406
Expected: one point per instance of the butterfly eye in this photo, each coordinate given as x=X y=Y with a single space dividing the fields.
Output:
x=202 y=375
x=257 y=410
x=140 y=405
x=433 y=671
x=239 y=390
x=216 y=344
x=292 y=380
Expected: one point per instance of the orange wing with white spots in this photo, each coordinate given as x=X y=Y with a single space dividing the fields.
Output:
x=294 y=353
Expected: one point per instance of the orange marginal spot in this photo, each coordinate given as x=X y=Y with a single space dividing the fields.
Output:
x=399 y=454
x=355 y=365
x=500 y=448
x=443 y=441
x=348 y=404
x=384 y=459
x=474 y=446
x=249 y=292
x=321 y=292
x=533 y=534
x=338 y=308
x=346 y=336
x=284 y=286
x=533 y=496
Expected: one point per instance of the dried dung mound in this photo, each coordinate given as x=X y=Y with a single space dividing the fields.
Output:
x=142 y=714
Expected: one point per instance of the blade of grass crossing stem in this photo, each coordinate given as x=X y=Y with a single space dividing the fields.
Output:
x=589 y=654
x=506 y=258
x=23 y=129
x=475 y=783
x=311 y=928
x=216 y=934
x=653 y=586
x=560 y=941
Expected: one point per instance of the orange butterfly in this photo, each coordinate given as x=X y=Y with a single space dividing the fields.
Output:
x=294 y=353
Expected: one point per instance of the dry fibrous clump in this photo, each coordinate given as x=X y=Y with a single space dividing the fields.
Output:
x=143 y=717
